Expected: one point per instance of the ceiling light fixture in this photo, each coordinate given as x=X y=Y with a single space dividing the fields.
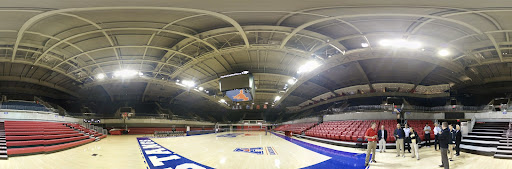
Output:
x=100 y=76
x=277 y=98
x=400 y=43
x=292 y=81
x=201 y=88
x=125 y=73
x=443 y=52
x=309 y=66
x=188 y=83
x=364 y=45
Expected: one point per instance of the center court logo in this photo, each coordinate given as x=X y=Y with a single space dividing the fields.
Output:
x=257 y=150
x=230 y=135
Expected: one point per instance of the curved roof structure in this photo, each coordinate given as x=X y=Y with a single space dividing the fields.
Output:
x=64 y=46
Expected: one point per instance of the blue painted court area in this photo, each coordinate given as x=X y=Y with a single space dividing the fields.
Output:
x=339 y=159
x=159 y=157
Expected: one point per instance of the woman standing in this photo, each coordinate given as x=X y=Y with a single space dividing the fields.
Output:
x=415 y=140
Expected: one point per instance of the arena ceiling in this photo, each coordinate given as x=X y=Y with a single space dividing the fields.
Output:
x=65 y=45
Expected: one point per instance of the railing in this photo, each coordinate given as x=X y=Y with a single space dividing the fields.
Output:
x=137 y=116
x=96 y=128
x=169 y=133
x=508 y=132
x=473 y=121
x=455 y=108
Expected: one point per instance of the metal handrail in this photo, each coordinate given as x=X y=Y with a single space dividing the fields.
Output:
x=508 y=131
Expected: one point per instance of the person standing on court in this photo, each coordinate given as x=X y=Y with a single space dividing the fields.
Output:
x=399 y=137
x=382 y=136
x=444 y=139
x=451 y=144
x=458 y=140
x=437 y=131
x=407 y=139
x=371 y=135
x=415 y=140
x=427 y=130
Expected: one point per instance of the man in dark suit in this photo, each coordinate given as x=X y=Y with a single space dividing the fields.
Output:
x=444 y=139
x=458 y=140
x=399 y=137
x=382 y=136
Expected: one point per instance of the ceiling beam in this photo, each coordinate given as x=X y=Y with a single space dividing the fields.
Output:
x=43 y=15
x=30 y=91
x=423 y=74
x=310 y=23
x=153 y=81
x=496 y=46
x=364 y=75
x=367 y=53
x=38 y=82
x=321 y=86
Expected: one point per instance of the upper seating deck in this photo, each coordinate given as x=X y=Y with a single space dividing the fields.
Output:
x=18 y=105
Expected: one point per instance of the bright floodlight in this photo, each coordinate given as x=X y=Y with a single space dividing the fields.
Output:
x=141 y=74
x=222 y=101
x=385 y=42
x=309 y=66
x=100 y=76
x=364 y=45
x=125 y=73
x=443 y=52
x=188 y=83
x=400 y=43
x=413 y=45
x=292 y=81
x=201 y=88
x=277 y=98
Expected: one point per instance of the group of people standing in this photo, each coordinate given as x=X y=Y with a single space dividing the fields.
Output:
x=447 y=137
x=407 y=138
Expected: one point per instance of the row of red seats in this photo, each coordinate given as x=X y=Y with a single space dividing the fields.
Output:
x=46 y=149
x=41 y=137
x=296 y=128
x=354 y=130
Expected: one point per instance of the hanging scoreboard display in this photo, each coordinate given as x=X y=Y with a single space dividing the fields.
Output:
x=239 y=87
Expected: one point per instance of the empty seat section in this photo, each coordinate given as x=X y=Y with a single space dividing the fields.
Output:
x=354 y=130
x=29 y=137
x=296 y=128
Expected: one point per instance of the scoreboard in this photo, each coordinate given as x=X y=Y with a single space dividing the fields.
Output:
x=238 y=87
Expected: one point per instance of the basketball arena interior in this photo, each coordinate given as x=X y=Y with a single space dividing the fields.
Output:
x=263 y=84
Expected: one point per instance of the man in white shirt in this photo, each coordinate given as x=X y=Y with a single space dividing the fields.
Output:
x=437 y=132
x=427 y=130
x=407 y=139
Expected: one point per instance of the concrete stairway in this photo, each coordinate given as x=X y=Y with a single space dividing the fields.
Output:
x=485 y=138
x=505 y=149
